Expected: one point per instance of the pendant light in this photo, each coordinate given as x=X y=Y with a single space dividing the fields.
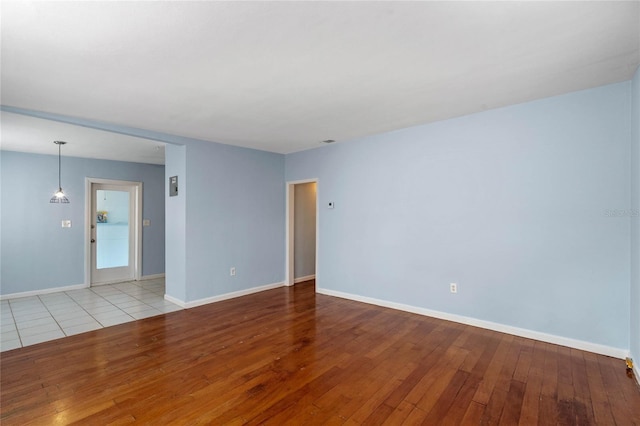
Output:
x=59 y=196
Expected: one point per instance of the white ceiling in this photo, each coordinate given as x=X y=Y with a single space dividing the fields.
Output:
x=29 y=134
x=282 y=76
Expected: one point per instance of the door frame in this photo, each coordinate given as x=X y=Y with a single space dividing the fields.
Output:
x=289 y=273
x=137 y=224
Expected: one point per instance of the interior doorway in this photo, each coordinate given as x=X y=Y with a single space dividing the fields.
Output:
x=114 y=212
x=302 y=231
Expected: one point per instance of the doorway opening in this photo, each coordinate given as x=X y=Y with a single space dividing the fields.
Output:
x=302 y=231
x=114 y=231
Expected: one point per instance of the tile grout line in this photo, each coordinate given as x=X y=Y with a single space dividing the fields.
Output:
x=142 y=288
x=52 y=316
x=18 y=330
x=108 y=301
x=134 y=293
x=123 y=292
x=15 y=324
x=26 y=337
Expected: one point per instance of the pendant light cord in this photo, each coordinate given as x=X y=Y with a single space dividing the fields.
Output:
x=58 y=196
x=59 y=172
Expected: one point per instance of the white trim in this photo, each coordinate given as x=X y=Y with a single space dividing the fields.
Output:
x=138 y=243
x=152 y=277
x=43 y=291
x=219 y=298
x=87 y=231
x=101 y=283
x=516 y=331
x=289 y=241
x=174 y=300
x=306 y=278
x=289 y=279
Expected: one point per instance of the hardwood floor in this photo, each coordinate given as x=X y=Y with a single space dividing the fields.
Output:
x=289 y=356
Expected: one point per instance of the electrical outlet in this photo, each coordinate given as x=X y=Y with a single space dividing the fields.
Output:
x=453 y=287
x=66 y=224
x=232 y=271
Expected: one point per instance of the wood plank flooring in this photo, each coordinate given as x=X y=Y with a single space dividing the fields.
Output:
x=289 y=356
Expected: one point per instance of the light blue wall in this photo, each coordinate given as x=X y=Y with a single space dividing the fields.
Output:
x=176 y=225
x=635 y=218
x=512 y=204
x=509 y=203
x=37 y=253
x=234 y=218
x=230 y=212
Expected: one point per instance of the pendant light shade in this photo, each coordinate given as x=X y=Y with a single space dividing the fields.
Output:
x=58 y=196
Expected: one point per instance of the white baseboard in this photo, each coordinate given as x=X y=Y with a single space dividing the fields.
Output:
x=636 y=371
x=516 y=331
x=175 y=300
x=110 y=283
x=152 y=277
x=43 y=291
x=120 y=281
x=219 y=298
x=306 y=278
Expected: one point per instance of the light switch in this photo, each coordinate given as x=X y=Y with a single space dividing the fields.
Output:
x=146 y=222
x=66 y=224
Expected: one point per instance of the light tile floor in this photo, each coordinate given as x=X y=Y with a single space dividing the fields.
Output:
x=29 y=320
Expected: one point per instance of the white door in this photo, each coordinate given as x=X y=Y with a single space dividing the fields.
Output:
x=113 y=233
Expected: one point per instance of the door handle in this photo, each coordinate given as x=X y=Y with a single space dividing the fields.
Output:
x=93 y=240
